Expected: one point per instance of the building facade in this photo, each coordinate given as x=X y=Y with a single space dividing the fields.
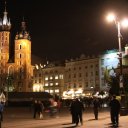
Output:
x=15 y=75
x=82 y=76
x=49 y=78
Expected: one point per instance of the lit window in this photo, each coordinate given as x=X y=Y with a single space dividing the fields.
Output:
x=56 y=77
x=57 y=84
x=56 y=90
x=51 y=84
x=61 y=76
x=51 y=78
x=51 y=91
x=46 y=78
x=46 y=90
x=46 y=84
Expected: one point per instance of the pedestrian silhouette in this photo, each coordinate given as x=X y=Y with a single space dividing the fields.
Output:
x=96 y=106
x=114 y=110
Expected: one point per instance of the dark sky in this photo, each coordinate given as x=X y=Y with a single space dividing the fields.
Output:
x=62 y=29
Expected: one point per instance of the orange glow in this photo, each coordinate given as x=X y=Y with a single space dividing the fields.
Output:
x=111 y=17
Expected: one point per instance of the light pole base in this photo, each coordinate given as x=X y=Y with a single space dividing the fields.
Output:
x=124 y=109
x=123 y=112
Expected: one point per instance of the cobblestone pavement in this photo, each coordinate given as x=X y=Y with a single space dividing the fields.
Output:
x=22 y=118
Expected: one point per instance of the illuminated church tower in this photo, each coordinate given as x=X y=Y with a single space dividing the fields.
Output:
x=5 y=27
x=22 y=59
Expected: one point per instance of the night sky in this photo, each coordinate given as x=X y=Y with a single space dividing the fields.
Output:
x=62 y=29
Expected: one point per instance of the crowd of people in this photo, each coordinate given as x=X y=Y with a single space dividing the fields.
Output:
x=76 y=108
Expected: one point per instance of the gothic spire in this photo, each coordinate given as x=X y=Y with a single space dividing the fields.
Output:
x=23 y=34
x=6 y=24
x=5 y=19
x=23 y=25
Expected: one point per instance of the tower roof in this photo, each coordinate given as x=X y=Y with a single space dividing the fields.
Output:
x=23 y=33
x=5 y=24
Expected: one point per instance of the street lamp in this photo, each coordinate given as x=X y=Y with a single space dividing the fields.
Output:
x=124 y=23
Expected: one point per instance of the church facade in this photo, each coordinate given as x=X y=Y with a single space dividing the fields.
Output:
x=16 y=73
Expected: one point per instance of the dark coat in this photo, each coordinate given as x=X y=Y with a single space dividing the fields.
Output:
x=115 y=106
x=77 y=107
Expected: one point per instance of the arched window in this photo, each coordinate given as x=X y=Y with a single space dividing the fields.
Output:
x=20 y=46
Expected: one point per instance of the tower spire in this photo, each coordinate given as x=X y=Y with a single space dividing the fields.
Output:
x=5 y=6
x=6 y=25
x=23 y=33
x=5 y=19
x=23 y=25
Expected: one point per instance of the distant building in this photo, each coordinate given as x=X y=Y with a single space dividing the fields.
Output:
x=82 y=75
x=49 y=78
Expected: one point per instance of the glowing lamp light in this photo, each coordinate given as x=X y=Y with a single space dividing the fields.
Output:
x=124 y=23
x=110 y=17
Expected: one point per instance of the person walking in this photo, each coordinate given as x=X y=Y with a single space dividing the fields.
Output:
x=40 y=109
x=35 y=107
x=115 y=109
x=1 y=110
x=72 y=110
x=78 y=109
x=96 y=106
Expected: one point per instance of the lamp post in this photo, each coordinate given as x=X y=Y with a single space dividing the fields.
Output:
x=119 y=24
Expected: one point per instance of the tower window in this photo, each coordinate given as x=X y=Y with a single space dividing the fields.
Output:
x=20 y=46
x=20 y=55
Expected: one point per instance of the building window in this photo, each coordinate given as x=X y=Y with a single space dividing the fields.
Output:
x=39 y=80
x=86 y=84
x=56 y=83
x=102 y=61
x=51 y=91
x=86 y=67
x=79 y=68
x=56 y=77
x=96 y=65
x=80 y=85
x=46 y=84
x=46 y=90
x=51 y=84
x=56 y=90
x=96 y=73
x=91 y=66
x=74 y=85
x=51 y=77
x=46 y=78
x=74 y=75
x=20 y=55
x=20 y=46
x=61 y=76
x=80 y=75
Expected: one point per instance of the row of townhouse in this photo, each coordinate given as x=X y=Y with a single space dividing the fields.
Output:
x=77 y=77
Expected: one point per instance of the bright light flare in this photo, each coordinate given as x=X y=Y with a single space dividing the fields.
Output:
x=124 y=23
x=110 y=17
